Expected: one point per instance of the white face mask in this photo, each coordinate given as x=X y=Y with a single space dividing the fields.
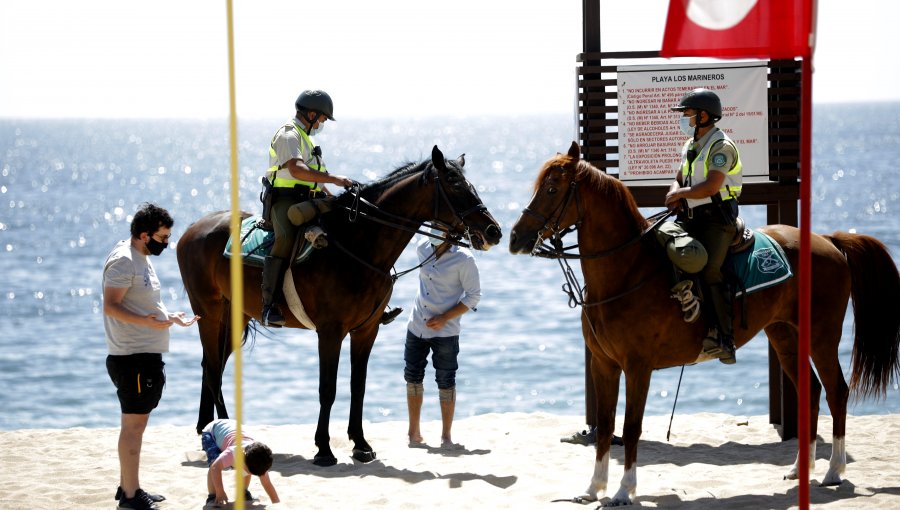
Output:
x=316 y=130
x=436 y=241
x=685 y=124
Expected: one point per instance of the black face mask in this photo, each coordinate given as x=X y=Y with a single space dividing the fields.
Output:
x=155 y=247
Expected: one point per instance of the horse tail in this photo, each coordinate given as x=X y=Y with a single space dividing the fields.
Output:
x=249 y=333
x=875 y=289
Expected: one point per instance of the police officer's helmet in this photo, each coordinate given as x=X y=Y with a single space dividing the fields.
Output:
x=701 y=99
x=317 y=101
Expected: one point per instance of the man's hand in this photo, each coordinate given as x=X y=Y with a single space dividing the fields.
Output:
x=151 y=321
x=673 y=199
x=178 y=318
x=342 y=181
x=437 y=322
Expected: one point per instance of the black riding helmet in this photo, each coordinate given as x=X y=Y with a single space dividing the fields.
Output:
x=701 y=99
x=317 y=101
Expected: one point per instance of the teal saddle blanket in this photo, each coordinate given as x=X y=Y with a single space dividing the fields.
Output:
x=256 y=244
x=761 y=266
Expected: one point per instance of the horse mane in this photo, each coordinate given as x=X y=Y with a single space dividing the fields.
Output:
x=592 y=177
x=373 y=190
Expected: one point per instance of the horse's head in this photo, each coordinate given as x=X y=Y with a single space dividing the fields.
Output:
x=457 y=206
x=554 y=206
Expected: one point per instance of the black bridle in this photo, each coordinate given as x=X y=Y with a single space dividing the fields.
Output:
x=552 y=232
x=557 y=250
x=354 y=212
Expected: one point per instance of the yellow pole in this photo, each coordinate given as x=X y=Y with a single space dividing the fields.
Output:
x=237 y=273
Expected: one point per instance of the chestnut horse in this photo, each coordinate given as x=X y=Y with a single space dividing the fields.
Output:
x=631 y=325
x=343 y=287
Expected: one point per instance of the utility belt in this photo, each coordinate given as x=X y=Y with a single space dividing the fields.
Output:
x=298 y=193
x=718 y=210
x=270 y=194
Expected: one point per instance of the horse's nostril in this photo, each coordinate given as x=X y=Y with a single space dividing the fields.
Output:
x=494 y=232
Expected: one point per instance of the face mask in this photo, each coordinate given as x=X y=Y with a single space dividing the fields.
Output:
x=155 y=247
x=437 y=241
x=316 y=130
x=685 y=124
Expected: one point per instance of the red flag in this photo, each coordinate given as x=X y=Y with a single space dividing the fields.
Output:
x=770 y=29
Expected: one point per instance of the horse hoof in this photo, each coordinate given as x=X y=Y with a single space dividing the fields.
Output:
x=363 y=456
x=324 y=460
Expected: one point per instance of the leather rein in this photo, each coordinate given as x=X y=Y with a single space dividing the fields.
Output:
x=557 y=250
x=400 y=223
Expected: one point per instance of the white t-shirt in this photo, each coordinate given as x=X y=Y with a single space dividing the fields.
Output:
x=126 y=267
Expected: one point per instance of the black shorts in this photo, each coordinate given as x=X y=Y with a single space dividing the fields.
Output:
x=139 y=380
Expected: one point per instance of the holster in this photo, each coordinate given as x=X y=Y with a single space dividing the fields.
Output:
x=725 y=209
x=267 y=197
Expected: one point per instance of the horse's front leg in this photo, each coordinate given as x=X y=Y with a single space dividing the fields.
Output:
x=637 y=384
x=329 y=356
x=605 y=376
x=361 y=343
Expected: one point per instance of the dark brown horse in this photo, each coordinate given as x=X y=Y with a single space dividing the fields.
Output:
x=631 y=325
x=343 y=287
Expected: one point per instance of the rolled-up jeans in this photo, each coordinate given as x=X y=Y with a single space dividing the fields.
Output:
x=445 y=350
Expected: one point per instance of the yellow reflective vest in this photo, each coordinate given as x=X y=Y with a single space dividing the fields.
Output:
x=280 y=175
x=731 y=187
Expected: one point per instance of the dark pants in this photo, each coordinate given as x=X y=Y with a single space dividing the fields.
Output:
x=285 y=231
x=139 y=381
x=714 y=226
x=445 y=351
x=715 y=229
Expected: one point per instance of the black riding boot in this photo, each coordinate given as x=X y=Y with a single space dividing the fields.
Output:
x=722 y=344
x=390 y=314
x=271 y=285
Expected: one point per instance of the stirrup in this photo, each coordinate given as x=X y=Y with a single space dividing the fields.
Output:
x=714 y=347
x=272 y=317
x=316 y=236
x=690 y=304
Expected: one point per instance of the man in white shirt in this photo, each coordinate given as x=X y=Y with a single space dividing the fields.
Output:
x=449 y=286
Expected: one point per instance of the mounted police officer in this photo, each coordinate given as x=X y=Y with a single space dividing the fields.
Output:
x=705 y=192
x=296 y=173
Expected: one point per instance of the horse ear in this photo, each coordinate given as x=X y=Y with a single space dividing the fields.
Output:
x=437 y=158
x=461 y=160
x=575 y=151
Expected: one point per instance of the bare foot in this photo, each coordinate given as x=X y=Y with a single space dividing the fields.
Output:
x=416 y=441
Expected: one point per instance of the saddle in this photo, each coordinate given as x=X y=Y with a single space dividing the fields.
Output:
x=743 y=237
x=755 y=261
x=256 y=243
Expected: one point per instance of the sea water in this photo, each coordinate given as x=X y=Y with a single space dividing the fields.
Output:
x=68 y=189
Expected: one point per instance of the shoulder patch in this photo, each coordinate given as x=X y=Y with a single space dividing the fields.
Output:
x=719 y=160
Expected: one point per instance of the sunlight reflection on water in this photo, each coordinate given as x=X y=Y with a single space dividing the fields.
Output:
x=69 y=196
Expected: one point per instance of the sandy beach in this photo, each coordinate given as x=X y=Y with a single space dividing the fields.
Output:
x=511 y=460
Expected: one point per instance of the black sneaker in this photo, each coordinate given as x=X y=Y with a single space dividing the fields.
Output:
x=247 y=495
x=155 y=497
x=211 y=499
x=140 y=501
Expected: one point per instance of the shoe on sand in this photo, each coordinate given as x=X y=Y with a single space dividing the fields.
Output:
x=156 y=498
